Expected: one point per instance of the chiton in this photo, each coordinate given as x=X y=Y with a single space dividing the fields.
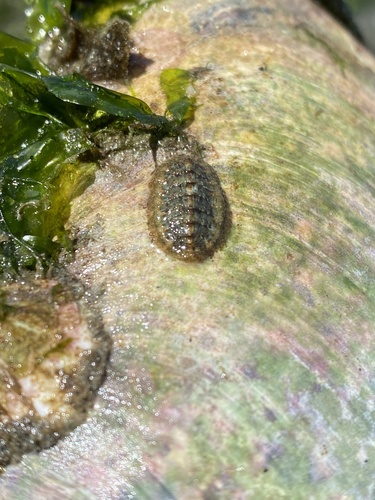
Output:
x=188 y=211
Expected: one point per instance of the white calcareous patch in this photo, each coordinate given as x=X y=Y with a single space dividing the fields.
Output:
x=53 y=354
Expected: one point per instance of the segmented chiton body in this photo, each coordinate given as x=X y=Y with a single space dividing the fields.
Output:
x=188 y=212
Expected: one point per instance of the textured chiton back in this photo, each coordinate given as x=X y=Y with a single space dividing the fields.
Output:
x=188 y=213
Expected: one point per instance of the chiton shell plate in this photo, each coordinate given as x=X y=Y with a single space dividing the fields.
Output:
x=188 y=211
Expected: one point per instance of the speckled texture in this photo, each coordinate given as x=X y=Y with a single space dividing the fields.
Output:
x=250 y=375
x=188 y=212
x=96 y=54
x=53 y=359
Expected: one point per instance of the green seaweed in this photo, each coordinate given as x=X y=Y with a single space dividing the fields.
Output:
x=35 y=200
x=101 y=11
x=19 y=54
x=44 y=16
x=47 y=154
x=177 y=84
x=77 y=90
x=26 y=92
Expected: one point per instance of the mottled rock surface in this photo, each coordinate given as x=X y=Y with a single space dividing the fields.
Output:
x=250 y=375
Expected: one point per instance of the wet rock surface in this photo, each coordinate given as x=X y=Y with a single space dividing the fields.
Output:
x=249 y=375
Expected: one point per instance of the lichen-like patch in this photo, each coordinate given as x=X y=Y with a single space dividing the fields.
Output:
x=53 y=358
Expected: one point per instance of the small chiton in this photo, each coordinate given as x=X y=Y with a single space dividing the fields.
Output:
x=188 y=212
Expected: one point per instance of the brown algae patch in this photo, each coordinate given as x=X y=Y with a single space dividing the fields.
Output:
x=96 y=53
x=53 y=355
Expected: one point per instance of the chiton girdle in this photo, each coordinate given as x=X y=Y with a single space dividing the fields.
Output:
x=188 y=211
